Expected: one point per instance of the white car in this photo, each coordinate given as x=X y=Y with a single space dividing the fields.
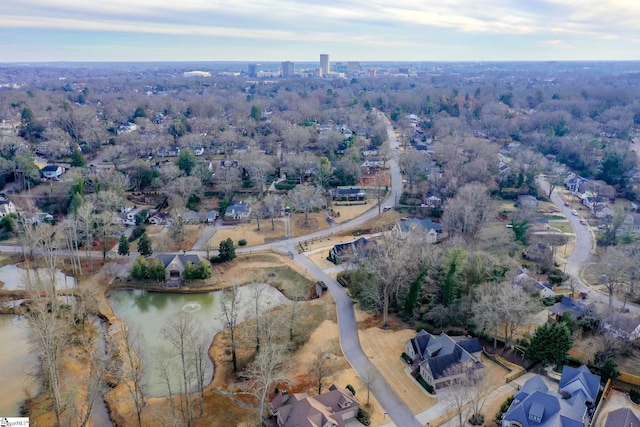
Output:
x=574 y=213
x=386 y=208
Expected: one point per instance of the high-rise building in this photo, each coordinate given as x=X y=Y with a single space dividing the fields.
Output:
x=287 y=69
x=325 y=65
x=253 y=70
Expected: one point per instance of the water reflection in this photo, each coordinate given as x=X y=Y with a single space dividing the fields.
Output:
x=147 y=313
x=16 y=278
x=17 y=363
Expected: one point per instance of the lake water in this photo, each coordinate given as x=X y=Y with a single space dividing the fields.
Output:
x=15 y=278
x=147 y=312
x=16 y=364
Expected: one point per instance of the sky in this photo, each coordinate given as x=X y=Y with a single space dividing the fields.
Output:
x=299 y=30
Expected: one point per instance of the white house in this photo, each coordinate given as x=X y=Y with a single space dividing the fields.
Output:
x=52 y=171
x=6 y=207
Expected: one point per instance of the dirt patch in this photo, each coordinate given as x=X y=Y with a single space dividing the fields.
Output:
x=250 y=233
x=314 y=218
x=346 y=213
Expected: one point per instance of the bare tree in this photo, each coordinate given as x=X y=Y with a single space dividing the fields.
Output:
x=229 y=305
x=322 y=364
x=413 y=165
x=226 y=180
x=614 y=270
x=501 y=306
x=132 y=347
x=259 y=166
x=306 y=198
x=466 y=213
x=272 y=207
x=300 y=165
x=185 y=336
x=266 y=370
x=466 y=393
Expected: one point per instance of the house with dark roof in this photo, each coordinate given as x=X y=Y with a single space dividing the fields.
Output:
x=330 y=409
x=622 y=326
x=347 y=252
x=174 y=266
x=577 y=308
x=534 y=405
x=52 y=171
x=526 y=201
x=434 y=356
x=623 y=417
x=348 y=194
x=237 y=212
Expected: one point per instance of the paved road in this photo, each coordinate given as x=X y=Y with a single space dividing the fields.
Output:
x=398 y=412
x=583 y=252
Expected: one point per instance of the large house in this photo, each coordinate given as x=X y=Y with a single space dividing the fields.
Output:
x=348 y=194
x=174 y=266
x=347 y=252
x=237 y=211
x=571 y=406
x=435 y=356
x=409 y=225
x=330 y=409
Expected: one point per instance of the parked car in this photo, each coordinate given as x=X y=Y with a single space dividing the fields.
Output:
x=583 y=222
x=566 y=204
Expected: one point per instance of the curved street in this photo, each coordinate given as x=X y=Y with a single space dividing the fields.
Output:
x=583 y=252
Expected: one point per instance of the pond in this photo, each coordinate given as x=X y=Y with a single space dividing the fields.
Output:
x=15 y=278
x=17 y=363
x=147 y=312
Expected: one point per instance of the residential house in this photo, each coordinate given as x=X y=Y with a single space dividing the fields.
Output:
x=621 y=326
x=127 y=128
x=630 y=224
x=52 y=171
x=192 y=217
x=198 y=151
x=159 y=218
x=348 y=194
x=408 y=226
x=433 y=201
x=623 y=417
x=347 y=252
x=575 y=182
x=571 y=406
x=537 y=252
x=128 y=218
x=370 y=166
x=330 y=409
x=168 y=152
x=237 y=211
x=212 y=216
x=568 y=305
x=530 y=284
x=38 y=218
x=174 y=266
x=526 y=201
x=7 y=207
x=434 y=356
x=592 y=201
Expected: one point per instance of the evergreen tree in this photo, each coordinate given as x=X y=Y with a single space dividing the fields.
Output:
x=186 y=161
x=550 y=344
x=77 y=158
x=123 y=246
x=139 y=269
x=227 y=250
x=144 y=245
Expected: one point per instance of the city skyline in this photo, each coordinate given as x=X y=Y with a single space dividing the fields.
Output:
x=351 y=30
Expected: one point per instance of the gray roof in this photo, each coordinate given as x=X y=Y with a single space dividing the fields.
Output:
x=166 y=259
x=623 y=417
x=427 y=224
x=442 y=352
x=576 y=308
